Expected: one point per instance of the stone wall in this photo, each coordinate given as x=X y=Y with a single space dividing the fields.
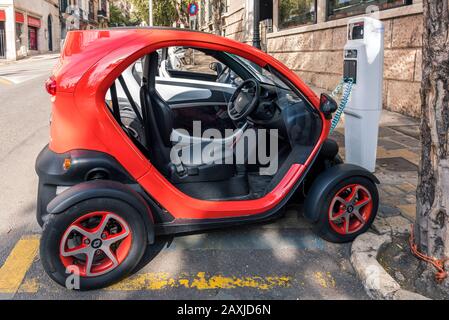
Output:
x=316 y=56
x=235 y=22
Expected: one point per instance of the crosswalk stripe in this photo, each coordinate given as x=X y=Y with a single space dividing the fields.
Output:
x=17 y=264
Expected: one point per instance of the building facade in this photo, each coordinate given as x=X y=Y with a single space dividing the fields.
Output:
x=28 y=28
x=83 y=15
x=309 y=35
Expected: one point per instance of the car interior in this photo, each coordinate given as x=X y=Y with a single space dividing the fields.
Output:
x=177 y=104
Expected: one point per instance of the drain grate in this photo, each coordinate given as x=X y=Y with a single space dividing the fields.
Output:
x=396 y=164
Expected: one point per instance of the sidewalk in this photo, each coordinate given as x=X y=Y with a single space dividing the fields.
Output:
x=382 y=262
x=397 y=164
x=45 y=56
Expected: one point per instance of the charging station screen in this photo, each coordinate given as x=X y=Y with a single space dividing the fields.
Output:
x=356 y=31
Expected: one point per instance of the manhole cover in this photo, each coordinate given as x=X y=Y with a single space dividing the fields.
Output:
x=396 y=164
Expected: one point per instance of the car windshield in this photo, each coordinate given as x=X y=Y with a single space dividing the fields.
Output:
x=262 y=74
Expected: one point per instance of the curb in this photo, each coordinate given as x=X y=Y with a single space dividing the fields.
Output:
x=378 y=284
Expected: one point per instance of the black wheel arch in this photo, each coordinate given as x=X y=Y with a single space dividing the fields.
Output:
x=104 y=189
x=328 y=178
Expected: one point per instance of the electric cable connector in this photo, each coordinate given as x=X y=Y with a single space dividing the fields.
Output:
x=347 y=84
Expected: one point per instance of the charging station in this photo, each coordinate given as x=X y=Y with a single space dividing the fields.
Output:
x=363 y=65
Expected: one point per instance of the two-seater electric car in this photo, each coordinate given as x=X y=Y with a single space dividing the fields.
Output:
x=144 y=143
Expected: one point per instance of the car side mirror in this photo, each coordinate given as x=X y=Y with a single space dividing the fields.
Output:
x=216 y=66
x=213 y=66
x=327 y=105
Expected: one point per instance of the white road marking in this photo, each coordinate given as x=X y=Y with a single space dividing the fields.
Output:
x=26 y=70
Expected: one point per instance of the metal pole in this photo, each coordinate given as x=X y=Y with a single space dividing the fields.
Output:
x=150 y=13
x=256 y=29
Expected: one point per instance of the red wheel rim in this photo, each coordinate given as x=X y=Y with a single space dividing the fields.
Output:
x=95 y=243
x=350 y=209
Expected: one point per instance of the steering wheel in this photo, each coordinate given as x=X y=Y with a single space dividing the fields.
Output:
x=244 y=100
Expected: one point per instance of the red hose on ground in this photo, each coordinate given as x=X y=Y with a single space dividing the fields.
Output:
x=441 y=274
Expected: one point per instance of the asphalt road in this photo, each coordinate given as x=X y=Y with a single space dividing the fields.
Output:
x=281 y=260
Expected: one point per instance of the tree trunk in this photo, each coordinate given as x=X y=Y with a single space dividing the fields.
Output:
x=182 y=16
x=432 y=211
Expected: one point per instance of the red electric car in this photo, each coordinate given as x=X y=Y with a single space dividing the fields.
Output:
x=119 y=169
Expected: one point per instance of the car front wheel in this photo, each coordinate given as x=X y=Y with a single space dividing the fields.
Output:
x=348 y=209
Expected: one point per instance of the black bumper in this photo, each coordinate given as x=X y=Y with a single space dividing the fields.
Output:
x=85 y=165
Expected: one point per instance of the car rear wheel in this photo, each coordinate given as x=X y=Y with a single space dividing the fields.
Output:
x=93 y=244
x=348 y=209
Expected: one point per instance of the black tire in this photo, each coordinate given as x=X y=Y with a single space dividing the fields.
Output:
x=56 y=225
x=323 y=226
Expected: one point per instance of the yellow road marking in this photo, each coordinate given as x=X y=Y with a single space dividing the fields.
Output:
x=324 y=279
x=158 y=281
x=13 y=272
x=29 y=286
x=17 y=264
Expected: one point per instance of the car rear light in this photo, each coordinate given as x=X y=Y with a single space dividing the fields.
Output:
x=50 y=85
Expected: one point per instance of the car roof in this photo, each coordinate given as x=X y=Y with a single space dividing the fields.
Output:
x=153 y=28
x=104 y=53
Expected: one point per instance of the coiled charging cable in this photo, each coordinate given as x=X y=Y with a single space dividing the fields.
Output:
x=347 y=84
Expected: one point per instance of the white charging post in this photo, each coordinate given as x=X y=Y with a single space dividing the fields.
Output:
x=363 y=63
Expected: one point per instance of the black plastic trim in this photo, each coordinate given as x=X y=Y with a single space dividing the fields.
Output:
x=178 y=226
x=50 y=167
x=103 y=189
